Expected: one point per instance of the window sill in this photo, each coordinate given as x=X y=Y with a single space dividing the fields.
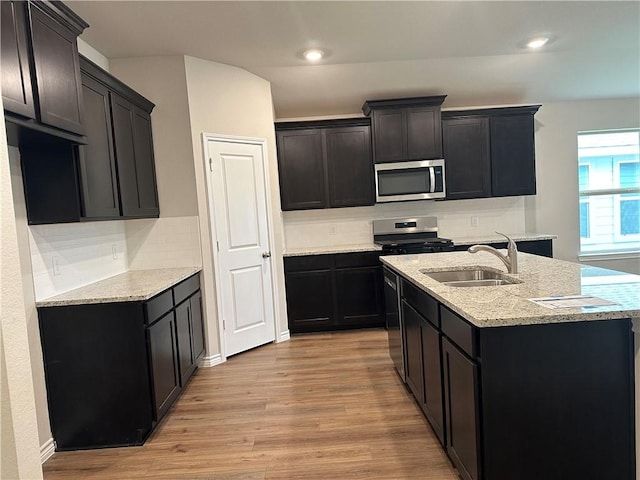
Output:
x=596 y=257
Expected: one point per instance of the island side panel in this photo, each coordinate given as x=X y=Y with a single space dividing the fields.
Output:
x=558 y=401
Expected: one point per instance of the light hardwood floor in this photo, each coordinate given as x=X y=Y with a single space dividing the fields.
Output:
x=323 y=406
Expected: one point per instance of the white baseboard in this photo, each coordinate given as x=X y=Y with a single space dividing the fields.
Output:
x=284 y=336
x=211 y=361
x=47 y=450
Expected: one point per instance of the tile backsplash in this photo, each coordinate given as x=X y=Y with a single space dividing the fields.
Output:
x=347 y=226
x=68 y=256
x=163 y=243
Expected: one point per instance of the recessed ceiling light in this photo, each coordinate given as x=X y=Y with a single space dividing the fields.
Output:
x=313 y=55
x=537 y=42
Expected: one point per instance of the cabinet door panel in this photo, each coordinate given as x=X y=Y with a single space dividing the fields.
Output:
x=97 y=162
x=310 y=300
x=17 y=90
x=163 y=352
x=466 y=153
x=135 y=165
x=433 y=405
x=390 y=144
x=513 y=155
x=413 y=353
x=424 y=137
x=145 y=164
x=185 y=353
x=302 y=170
x=57 y=72
x=197 y=326
x=461 y=410
x=359 y=294
x=349 y=166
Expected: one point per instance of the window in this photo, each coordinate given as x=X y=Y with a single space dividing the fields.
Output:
x=609 y=189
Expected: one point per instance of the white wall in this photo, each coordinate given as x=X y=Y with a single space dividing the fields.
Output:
x=230 y=101
x=352 y=226
x=92 y=54
x=555 y=208
x=19 y=444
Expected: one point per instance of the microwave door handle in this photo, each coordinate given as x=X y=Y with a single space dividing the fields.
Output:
x=432 y=180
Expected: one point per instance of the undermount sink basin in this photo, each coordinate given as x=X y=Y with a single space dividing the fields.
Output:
x=478 y=277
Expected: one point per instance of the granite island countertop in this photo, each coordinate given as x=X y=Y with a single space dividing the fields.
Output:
x=131 y=286
x=509 y=305
x=495 y=238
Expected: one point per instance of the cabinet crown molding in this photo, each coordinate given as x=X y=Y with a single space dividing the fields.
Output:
x=62 y=14
x=435 y=100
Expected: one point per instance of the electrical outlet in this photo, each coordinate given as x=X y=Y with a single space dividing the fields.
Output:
x=114 y=251
x=475 y=221
x=55 y=263
x=333 y=230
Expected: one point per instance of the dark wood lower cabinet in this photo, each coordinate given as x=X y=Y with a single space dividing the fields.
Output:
x=163 y=353
x=333 y=292
x=432 y=406
x=113 y=370
x=527 y=402
x=461 y=410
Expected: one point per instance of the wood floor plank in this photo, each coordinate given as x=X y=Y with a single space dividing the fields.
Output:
x=322 y=406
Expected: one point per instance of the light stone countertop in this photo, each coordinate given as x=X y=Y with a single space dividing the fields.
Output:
x=518 y=237
x=131 y=286
x=297 y=252
x=508 y=305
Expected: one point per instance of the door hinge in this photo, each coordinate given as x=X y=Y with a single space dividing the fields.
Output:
x=210 y=164
x=217 y=245
x=224 y=325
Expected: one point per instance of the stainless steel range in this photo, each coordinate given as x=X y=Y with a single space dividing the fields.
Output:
x=399 y=236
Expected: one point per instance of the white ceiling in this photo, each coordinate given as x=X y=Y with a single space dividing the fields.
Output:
x=469 y=51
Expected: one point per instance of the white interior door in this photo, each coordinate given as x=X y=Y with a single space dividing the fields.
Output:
x=238 y=193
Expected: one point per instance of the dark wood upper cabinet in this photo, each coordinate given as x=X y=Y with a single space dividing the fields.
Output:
x=57 y=69
x=405 y=129
x=134 y=158
x=466 y=146
x=302 y=169
x=97 y=165
x=489 y=152
x=350 y=172
x=17 y=90
x=41 y=83
x=513 y=163
x=325 y=164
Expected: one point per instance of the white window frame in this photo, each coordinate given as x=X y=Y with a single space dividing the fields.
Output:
x=617 y=219
x=584 y=199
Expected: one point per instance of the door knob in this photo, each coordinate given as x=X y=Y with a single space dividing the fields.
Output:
x=266 y=254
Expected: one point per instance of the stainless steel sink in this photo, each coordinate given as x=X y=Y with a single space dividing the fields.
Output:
x=478 y=277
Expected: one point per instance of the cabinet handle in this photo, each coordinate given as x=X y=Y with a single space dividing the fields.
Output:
x=266 y=254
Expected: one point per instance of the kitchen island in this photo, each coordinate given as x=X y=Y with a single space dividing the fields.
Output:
x=516 y=390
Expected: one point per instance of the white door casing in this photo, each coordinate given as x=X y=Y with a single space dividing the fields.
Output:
x=238 y=210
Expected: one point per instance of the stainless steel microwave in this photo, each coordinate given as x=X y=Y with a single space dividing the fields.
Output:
x=402 y=181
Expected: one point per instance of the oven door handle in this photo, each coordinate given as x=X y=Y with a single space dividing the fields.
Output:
x=432 y=179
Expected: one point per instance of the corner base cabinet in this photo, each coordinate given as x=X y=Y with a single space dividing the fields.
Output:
x=334 y=291
x=114 y=369
x=548 y=401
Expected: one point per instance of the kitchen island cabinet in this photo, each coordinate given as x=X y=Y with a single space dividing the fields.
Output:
x=530 y=392
x=118 y=353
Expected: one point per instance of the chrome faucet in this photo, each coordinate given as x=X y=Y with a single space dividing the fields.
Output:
x=510 y=259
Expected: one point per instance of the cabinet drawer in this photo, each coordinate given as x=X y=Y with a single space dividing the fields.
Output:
x=459 y=331
x=357 y=259
x=158 y=306
x=183 y=290
x=307 y=262
x=422 y=302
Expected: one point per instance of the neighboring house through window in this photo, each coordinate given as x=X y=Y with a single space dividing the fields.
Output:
x=609 y=189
